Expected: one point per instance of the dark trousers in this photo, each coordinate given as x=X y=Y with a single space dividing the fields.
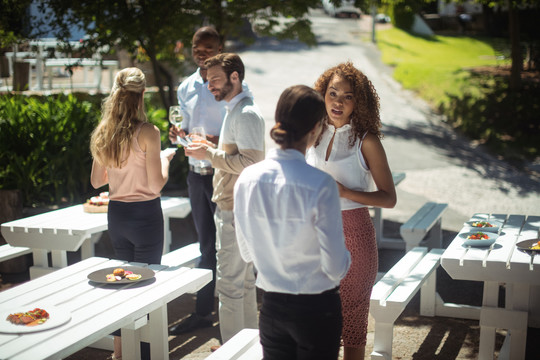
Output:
x=200 y=190
x=137 y=235
x=300 y=326
x=136 y=230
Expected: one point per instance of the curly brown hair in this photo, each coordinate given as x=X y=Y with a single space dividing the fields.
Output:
x=365 y=115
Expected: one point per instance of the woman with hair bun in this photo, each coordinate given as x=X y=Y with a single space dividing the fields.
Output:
x=288 y=223
x=126 y=150
x=349 y=149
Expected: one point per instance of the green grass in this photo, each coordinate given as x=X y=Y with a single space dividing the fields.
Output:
x=433 y=67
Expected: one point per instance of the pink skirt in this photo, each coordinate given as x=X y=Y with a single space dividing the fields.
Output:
x=356 y=287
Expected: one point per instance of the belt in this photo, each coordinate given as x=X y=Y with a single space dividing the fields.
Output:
x=208 y=170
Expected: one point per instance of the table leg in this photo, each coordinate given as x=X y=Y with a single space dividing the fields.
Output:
x=131 y=348
x=59 y=259
x=487 y=333
x=168 y=234
x=517 y=299
x=159 y=342
x=87 y=248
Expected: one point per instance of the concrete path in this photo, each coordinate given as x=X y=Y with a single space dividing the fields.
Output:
x=440 y=165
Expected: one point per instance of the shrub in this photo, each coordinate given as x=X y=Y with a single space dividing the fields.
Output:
x=44 y=147
x=402 y=15
x=506 y=121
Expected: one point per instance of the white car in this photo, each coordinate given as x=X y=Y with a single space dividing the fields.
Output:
x=347 y=9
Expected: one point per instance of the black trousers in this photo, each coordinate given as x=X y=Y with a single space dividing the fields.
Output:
x=306 y=327
x=200 y=190
x=136 y=230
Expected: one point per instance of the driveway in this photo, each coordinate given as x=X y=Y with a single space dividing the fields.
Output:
x=441 y=165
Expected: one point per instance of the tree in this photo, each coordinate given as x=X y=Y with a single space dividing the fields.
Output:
x=153 y=27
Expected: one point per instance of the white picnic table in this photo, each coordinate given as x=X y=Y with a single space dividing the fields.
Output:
x=501 y=264
x=383 y=242
x=139 y=309
x=71 y=228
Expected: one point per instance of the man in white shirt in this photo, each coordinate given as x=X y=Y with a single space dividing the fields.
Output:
x=241 y=143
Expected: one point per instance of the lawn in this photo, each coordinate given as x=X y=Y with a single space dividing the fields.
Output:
x=433 y=66
x=479 y=104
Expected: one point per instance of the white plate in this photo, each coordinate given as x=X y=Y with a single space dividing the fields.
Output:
x=57 y=317
x=484 y=242
x=495 y=228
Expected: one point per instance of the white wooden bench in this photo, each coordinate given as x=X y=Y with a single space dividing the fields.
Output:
x=390 y=295
x=243 y=346
x=185 y=256
x=8 y=252
x=428 y=219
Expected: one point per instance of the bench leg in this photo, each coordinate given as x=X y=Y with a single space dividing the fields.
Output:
x=382 y=343
x=435 y=236
x=428 y=298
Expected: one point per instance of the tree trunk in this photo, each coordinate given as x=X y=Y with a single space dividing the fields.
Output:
x=517 y=57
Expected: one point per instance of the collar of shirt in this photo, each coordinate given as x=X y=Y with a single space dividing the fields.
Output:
x=235 y=100
x=287 y=154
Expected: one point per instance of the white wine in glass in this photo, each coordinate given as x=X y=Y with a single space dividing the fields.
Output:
x=175 y=116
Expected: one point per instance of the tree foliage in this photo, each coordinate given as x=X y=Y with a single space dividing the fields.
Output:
x=154 y=27
x=14 y=21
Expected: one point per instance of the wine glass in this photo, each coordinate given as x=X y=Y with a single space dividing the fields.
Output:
x=198 y=136
x=175 y=118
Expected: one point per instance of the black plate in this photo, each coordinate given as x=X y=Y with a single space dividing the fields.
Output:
x=100 y=276
x=525 y=246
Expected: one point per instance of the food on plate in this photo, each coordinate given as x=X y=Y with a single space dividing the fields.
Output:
x=536 y=246
x=29 y=318
x=119 y=274
x=482 y=224
x=97 y=204
x=478 y=236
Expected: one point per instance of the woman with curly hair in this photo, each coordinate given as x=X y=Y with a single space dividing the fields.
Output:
x=349 y=148
x=126 y=150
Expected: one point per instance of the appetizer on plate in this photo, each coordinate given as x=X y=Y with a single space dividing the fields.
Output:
x=478 y=236
x=30 y=318
x=97 y=204
x=119 y=274
x=482 y=224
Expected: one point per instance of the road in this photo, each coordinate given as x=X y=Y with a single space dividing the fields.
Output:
x=440 y=165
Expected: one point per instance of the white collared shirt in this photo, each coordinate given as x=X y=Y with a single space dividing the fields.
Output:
x=346 y=163
x=288 y=222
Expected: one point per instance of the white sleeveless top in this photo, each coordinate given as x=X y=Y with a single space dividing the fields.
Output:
x=346 y=164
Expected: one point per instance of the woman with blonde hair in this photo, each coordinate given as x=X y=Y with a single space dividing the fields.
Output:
x=126 y=150
x=349 y=148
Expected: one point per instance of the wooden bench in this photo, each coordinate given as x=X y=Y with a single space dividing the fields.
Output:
x=9 y=252
x=428 y=219
x=244 y=345
x=390 y=295
x=185 y=256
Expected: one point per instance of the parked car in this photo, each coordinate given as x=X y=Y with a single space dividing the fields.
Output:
x=347 y=9
x=382 y=18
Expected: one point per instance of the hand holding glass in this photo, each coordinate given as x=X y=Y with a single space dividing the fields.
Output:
x=198 y=136
x=175 y=118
